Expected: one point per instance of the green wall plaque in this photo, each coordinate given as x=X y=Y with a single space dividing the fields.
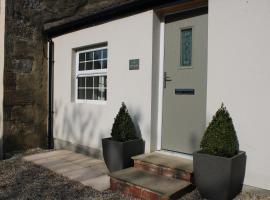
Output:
x=134 y=64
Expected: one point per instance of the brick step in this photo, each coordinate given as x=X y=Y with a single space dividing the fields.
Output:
x=147 y=186
x=165 y=165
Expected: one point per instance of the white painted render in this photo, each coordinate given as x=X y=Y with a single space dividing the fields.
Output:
x=86 y=123
x=155 y=82
x=2 y=37
x=239 y=76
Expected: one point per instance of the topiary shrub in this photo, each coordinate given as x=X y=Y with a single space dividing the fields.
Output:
x=123 y=128
x=220 y=138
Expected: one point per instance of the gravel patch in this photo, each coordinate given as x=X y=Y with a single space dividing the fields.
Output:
x=245 y=195
x=23 y=180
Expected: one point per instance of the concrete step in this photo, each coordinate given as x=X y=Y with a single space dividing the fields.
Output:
x=165 y=165
x=144 y=185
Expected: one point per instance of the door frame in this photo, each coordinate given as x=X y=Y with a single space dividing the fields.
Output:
x=161 y=88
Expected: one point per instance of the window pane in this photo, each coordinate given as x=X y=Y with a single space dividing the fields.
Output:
x=102 y=93
x=102 y=81
x=99 y=95
x=89 y=82
x=97 y=64
x=96 y=91
x=104 y=64
x=104 y=53
x=97 y=54
x=89 y=56
x=89 y=65
x=81 y=81
x=105 y=81
x=186 y=47
x=96 y=81
x=82 y=57
x=81 y=66
x=89 y=94
x=105 y=94
x=81 y=93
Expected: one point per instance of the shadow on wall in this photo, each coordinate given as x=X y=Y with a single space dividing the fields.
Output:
x=77 y=129
x=136 y=118
x=194 y=140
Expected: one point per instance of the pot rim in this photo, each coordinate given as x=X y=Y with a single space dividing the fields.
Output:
x=110 y=138
x=228 y=158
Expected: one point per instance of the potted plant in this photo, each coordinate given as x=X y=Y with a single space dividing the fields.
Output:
x=124 y=143
x=219 y=167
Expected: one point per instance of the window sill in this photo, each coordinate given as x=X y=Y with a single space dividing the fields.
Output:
x=94 y=102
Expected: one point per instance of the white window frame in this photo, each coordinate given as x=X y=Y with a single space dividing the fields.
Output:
x=85 y=73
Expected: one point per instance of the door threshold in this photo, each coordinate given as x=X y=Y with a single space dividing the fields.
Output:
x=177 y=154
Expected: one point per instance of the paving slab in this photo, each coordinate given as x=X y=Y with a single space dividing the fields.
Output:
x=47 y=155
x=66 y=169
x=75 y=157
x=84 y=169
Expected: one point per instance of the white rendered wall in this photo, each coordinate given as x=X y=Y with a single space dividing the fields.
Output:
x=155 y=83
x=2 y=38
x=86 y=123
x=239 y=76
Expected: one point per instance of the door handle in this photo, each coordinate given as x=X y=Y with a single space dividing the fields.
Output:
x=166 y=79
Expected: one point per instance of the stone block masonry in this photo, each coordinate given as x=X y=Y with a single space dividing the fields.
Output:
x=25 y=81
x=25 y=70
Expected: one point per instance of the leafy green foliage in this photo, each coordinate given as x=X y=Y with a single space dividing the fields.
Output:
x=220 y=138
x=123 y=128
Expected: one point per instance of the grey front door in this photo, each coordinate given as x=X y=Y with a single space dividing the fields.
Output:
x=185 y=79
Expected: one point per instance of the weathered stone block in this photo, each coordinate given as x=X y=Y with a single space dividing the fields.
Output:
x=23 y=31
x=31 y=4
x=20 y=142
x=25 y=48
x=7 y=113
x=23 y=113
x=12 y=98
x=23 y=65
x=18 y=128
x=24 y=81
x=9 y=81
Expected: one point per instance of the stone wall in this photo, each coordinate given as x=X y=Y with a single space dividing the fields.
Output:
x=25 y=71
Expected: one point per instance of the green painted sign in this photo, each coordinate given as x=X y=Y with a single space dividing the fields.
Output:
x=134 y=64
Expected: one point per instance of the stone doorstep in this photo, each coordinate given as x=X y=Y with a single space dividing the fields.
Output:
x=133 y=190
x=165 y=165
x=147 y=186
x=164 y=171
x=100 y=183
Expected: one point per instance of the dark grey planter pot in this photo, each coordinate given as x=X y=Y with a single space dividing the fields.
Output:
x=219 y=178
x=117 y=155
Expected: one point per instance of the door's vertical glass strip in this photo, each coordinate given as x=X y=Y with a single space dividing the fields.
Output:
x=186 y=47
